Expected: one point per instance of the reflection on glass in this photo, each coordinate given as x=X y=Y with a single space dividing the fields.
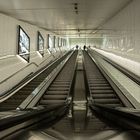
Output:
x=23 y=44
x=50 y=42
x=60 y=42
x=40 y=44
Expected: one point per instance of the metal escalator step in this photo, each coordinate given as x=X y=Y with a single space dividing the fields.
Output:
x=57 y=92
x=36 y=82
x=61 y=85
x=12 y=102
x=102 y=91
x=107 y=101
x=97 y=80
x=31 y=85
x=99 y=84
x=56 y=85
x=50 y=97
x=45 y=102
x=26 y=90
x=98 y=88
x=58 y=89
x=6 y=108
x=103 y=96
x=22 y=92
x=66 y=83
x=18 y=97
x=114 y=105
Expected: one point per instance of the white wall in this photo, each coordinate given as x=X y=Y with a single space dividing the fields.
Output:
x=10 y=62
x=123 y=36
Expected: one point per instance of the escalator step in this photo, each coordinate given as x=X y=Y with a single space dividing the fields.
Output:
x=104 y=96
x=102 y=91
x=66 y=81
x=58 y=89
x=45 y=102
x=18 y=97
x=12 y=102
x=22 y=92
x=100 y=88
x=59 y=97
x=107 y=101
x=57 y=92
x=99 y=85
x=97 y=82
x=114 y=105
x=60 y=85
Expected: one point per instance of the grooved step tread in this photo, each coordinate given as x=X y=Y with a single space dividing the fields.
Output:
x=107 y=101
x=58 y=97
x=114 y=105
x=57 y=92
x=102 y=91
x=55 y=86
x=104 y=96
x=43 y=102
x=97 y=82
x=100 y=88
x=58 y=89
x=99 y=85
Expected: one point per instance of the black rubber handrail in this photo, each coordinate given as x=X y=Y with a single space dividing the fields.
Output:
x=124 y=117
x=28 y=114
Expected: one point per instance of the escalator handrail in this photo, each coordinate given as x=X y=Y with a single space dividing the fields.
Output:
x=125 y=117
x=27 y=114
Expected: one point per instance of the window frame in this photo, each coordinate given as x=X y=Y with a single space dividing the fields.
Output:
x=23 y=55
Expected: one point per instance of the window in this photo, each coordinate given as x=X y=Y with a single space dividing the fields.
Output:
x=60 y=42
x=54 y=40
x=50 y=42
x=23 y=44
x=40 y=44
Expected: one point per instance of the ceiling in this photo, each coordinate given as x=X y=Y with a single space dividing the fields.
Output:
x=64 y=17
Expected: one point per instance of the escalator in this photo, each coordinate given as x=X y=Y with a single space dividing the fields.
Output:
x=87 y=121
x=93 y=113
x=17 y=98
x=100 y=89
x=59 y=90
